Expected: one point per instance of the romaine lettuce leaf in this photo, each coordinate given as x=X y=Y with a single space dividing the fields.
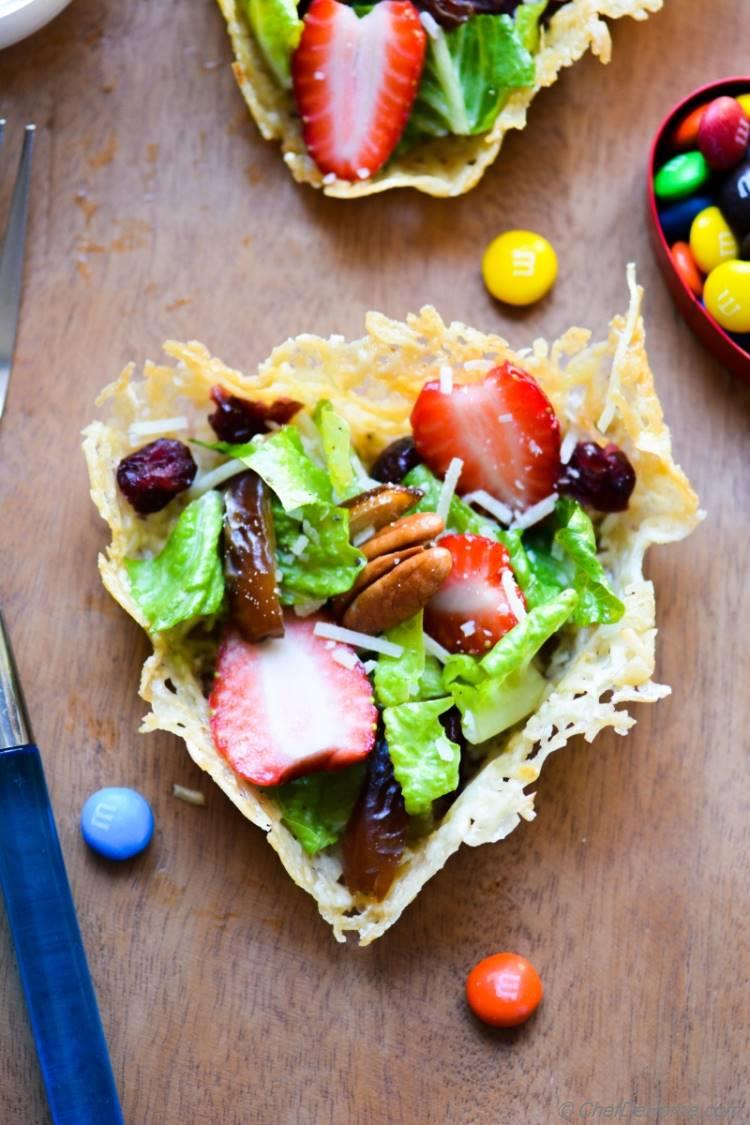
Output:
x=186 y=580
x=336 y=438
x=316 y=808
x=498 y=689
x=411 y=677
x=281 y=461
x=526 y=19
x=467 y=76
x=564 y=555
x=314 y=556
x=277 y=28
x=425 y=761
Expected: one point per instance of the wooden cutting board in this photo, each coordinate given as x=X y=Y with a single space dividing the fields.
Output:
x=158 y=212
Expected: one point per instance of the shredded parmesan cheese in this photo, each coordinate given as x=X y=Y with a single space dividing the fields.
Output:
x=495 y=507
x=362 y=537
x=448 y=489
x=478 y=365
x=158 y=426
x=357 y=640
x=191 y=796
x=370 y=666
x=569 y=442
x=434 y=649
x=214 y=477
x=536 y=512
x=469 y=628
x=515 y=604
x=345 y=657
x=446 y=380
x=430 y=24
x=298 y=546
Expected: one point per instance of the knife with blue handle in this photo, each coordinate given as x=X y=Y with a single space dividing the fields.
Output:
x=55 y=977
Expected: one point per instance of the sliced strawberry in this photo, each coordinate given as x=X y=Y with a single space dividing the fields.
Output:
x=471 y=611
x=355 y=81
x=503 y=428
x=287 y=707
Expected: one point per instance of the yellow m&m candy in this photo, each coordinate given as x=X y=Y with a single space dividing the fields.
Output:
x=712 y=240
x=727 y=295
x=519 y=267
x=744 y=100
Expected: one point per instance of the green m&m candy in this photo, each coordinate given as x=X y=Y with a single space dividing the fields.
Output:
x=681 y=176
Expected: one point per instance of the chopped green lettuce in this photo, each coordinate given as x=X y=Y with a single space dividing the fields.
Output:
x=411 y=677
x=314 y=556
x=467 y=77
x=280 y=459
x=425 y=761
x=186 y=579
x=526 y=19
x=277 y=28
x=313 y=552
x=563 y=555
x=336 y=438
x=316 y=808
x=498 y=689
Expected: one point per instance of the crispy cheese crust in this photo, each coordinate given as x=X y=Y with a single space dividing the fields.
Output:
x=444 y=167
x=605 y=390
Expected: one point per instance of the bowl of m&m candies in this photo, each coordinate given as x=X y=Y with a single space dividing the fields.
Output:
x=699 y=205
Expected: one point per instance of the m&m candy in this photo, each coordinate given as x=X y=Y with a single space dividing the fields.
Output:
x=727 y=295
x=734 y=200
x=677 y=219
x=519 y=267
x=711 y=239
x=686 y=267
x=686 y=133
x=117 y=822
x=702 y=189
x=681 y=176
x=723 y=133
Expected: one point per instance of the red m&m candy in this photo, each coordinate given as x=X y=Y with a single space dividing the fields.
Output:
x=723 y=133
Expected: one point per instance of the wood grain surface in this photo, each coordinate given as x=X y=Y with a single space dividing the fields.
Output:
x=157 y=212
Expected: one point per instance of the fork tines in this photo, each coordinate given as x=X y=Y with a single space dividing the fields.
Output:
x=11 y=259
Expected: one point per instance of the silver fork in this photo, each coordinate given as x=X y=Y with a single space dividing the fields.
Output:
x=60 y=997
x=11 y=260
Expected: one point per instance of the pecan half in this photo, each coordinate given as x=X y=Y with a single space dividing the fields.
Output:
x=400 y=593
x=379 y=506
x=409 y=531
x=374 y=570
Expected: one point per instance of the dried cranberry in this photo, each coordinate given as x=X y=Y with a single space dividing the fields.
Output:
x=154 y=474
x=396 y=460
x=452 y=13
x=237 y=420
x=373 y=840
x=601 y=478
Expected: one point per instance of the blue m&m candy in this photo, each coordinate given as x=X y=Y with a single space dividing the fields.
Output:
x=117 y=823
x=677 y=219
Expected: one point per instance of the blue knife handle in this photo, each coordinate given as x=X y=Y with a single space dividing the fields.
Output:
x=59 y=994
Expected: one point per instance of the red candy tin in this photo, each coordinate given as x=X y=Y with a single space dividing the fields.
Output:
x=726 y=350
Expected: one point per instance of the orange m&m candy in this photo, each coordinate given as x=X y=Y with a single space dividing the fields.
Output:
x=686 y=133
x=504 y=990
x=687 y=268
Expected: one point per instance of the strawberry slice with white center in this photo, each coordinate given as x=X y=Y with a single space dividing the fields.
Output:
x=355 y=81
x=504 y=430
x=480 y=600
x=290 y=706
